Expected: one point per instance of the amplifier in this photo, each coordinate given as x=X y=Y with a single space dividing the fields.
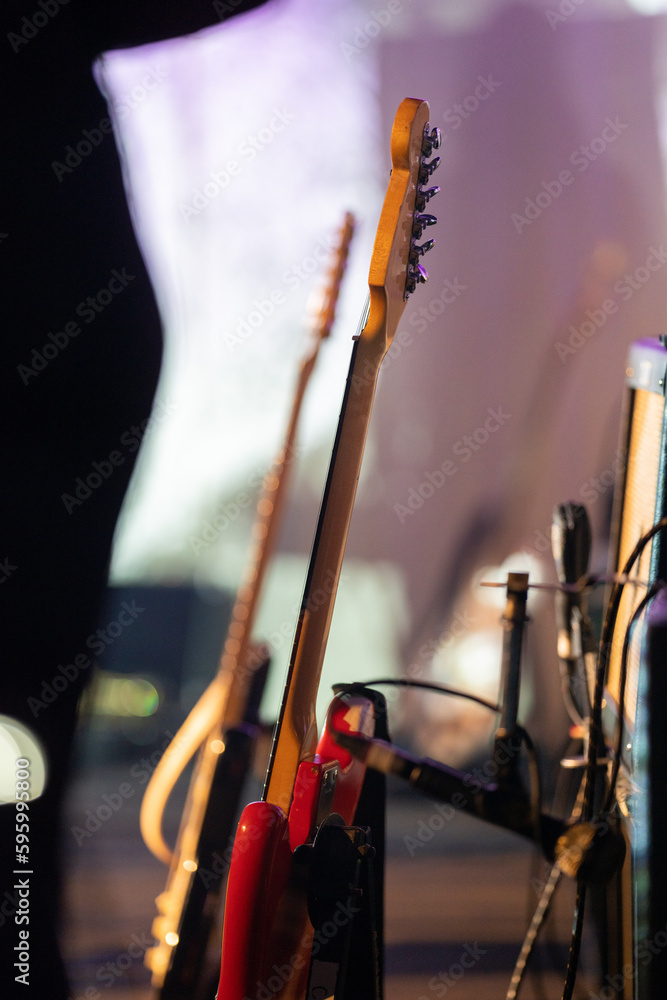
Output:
x=640 y=498
x=637 y=910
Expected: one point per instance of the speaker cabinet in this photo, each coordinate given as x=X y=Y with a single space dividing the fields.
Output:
x=637 y=913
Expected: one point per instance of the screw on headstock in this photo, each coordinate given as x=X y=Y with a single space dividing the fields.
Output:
x=417 y=273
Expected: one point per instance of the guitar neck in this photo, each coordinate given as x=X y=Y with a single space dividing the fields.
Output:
x=296 y=731
x=236 y=667
x=236 y=650
x=394 y=274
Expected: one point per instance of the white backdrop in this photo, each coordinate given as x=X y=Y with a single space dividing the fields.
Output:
x=511 y=360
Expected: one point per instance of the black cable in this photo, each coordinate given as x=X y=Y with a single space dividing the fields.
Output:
x=595 y=735
x=531 y=935
x=591 y=766
x=605 y=652
x=540 y=913
x=575 y=942
x=585 y=800
x=533 y=766
x=535 y=796
x=409 y=682
x=535 y=786
x=622 y=682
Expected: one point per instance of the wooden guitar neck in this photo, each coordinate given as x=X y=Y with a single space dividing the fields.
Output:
x=394 y=274
x=234 y=663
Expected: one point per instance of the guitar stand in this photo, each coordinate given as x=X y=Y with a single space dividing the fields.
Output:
x=345 y=882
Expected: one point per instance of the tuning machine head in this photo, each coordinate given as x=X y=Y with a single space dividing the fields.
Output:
x=432 y=140
x=418 y=251
x=424 y=196
x=417 y=273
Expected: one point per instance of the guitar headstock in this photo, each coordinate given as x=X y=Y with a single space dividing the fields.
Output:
x=324 y=308
x=395 y=268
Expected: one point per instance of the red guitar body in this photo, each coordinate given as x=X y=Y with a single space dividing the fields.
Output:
x=267 y=935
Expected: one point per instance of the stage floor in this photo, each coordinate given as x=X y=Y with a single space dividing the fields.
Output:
x=456 y=911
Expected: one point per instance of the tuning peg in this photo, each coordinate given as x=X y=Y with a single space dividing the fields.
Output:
x=426 y=169
x=423 y=197
x=419 y=224
x=418 y=251
x=432 y=140
x=416 y=274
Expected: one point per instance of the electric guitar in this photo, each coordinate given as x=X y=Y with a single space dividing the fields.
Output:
x=224 y=722
x=274 y=893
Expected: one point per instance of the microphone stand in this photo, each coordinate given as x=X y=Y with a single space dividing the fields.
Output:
x=571 y=547
x=510 y=805
x=583 y=850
